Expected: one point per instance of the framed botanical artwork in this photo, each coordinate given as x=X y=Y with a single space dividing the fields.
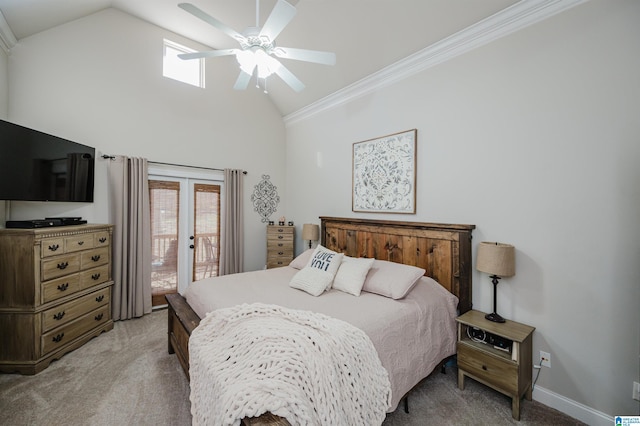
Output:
x=384 y=174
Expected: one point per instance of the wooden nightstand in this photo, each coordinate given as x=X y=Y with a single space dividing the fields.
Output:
x=506 y=370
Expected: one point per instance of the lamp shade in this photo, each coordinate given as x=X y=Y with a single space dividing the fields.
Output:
x=310 y=232
x=496 y=259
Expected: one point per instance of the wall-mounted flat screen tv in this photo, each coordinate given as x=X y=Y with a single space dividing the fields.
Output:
x=36 y=166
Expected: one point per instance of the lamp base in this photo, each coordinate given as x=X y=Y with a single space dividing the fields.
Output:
x=494 y=317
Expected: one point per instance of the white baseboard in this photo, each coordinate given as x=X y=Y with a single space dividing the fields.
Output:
x=571 y=408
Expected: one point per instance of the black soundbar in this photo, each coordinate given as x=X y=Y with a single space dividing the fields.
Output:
x=44 y=223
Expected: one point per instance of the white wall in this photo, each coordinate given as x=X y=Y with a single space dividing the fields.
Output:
x=533 y=138
x=98 y=81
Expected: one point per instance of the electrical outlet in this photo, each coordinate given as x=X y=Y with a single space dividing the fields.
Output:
x=636 y=391
x=545 y=359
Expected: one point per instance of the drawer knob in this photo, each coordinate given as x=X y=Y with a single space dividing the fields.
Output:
x=95 y=257
x=103 y=239
x=58 y=316
x=63 y=265
x=280 y=230
x=63 y=287
x=100 y=298
x=99 y=316
x=54 y=247
x=80 y=243
x=280 y=237
x=58 y=338
x=484 y=367
x=95 y=276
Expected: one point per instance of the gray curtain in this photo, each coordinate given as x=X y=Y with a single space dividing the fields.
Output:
x=131 y=217
x=232 y=238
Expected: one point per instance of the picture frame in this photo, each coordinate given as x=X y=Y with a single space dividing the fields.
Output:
x=384 y=174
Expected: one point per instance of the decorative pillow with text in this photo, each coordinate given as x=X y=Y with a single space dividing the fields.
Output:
x=318 y=275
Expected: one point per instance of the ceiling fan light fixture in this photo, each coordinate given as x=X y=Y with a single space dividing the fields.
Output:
x=246 y=60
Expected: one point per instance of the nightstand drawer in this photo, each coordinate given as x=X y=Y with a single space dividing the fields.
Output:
x=495 y=371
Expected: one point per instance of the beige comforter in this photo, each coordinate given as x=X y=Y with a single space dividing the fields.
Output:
x=411 y=335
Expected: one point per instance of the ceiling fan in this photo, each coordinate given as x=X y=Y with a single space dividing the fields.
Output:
x=258 y=47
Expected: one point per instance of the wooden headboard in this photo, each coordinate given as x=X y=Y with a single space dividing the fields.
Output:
x=443 y=250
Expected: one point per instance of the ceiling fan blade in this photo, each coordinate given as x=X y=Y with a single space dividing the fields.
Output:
x=208 y=54
x=315 y=56
x=288 y=77
x=280 y=16
x=198 y=13
x=243 y=81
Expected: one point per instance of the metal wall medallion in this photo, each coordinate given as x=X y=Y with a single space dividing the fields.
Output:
x=265 y=198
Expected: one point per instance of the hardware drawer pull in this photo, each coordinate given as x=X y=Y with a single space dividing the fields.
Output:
x=95 y=258
x=63 y=287
x=80 y=243
x=103 y=239
x=58 y=316
x=280 y=253
x=100 y=298
x=99 y=317
x=58 y=338
x=280 y=230
x=280 y=237
x=95 y=276
x=63 y=265
x=54 y=247
x=484 y=367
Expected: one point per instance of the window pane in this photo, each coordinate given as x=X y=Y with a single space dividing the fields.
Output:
x=164 y=198
x=207 y=225
x=188 y=71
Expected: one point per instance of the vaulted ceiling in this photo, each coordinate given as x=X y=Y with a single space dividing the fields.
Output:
x=366 y=35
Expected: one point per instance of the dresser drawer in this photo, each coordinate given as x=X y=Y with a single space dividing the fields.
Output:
x=278 y=238
x=94 y=276
x=92 y=258
x=55 y=289
x=277 y=263
x=69 y=311
x=60 y=336
x=495 y=371
x=60 y=265
x=101 y=239
x=52 y=247
x=78 y=242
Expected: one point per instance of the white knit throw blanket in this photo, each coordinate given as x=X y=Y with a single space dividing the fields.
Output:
x=306 y=367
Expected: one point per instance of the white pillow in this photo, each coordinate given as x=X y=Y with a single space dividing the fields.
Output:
x=351 y=274
x=318 y=275
x=390 y=279
x=302 y=260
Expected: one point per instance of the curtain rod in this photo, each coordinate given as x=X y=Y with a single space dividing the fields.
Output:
x=112 y=157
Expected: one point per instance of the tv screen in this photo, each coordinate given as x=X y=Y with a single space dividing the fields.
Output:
x=36 y=166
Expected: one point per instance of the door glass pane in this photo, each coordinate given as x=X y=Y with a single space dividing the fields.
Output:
x=164 y=198
x=207 y=225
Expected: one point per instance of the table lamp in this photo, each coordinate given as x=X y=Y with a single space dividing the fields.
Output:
x=310 y=232
x=499 y=260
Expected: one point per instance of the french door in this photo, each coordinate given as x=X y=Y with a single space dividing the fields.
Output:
x=185 y=230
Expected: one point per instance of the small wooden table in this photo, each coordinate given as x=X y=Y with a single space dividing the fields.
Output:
x=507 y=369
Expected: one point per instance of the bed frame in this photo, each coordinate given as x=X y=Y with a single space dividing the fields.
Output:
x=443 y=250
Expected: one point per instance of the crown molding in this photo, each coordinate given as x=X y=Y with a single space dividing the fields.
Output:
x=505 y=22
x=7 y=39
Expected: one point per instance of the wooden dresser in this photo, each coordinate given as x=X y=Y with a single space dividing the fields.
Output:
x=55 y=293
x=279 y=245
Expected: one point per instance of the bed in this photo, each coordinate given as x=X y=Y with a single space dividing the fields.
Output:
x=442 y=250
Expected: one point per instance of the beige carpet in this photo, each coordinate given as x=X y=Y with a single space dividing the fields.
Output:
x=126 y=377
